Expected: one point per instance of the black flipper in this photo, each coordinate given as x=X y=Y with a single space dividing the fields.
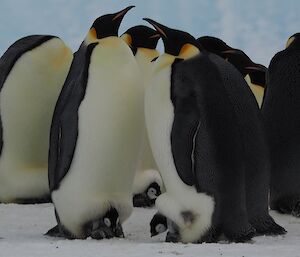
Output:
x=11 y=56
x=63 y=135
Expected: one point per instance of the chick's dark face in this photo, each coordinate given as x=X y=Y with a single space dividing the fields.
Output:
x=158 y=224
x=107 y=226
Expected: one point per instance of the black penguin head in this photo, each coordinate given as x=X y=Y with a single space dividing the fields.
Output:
x=246 y=66
x=107 y=226
x=293 y=43
x=175 y=41
x=153 y=191
x=141 y=37
x=158 y=224
x=214 y=45
x=108 y=25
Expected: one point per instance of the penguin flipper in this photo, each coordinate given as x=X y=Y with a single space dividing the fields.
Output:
x=64 y=127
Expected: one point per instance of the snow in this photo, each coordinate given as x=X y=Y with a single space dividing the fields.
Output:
x=22 y=228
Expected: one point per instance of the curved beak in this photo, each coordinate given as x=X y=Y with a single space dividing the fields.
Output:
x=255 y=68
x=121 y=14
x=161 y=29
x=231 y=51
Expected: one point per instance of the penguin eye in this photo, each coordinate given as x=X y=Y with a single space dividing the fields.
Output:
x=152 y=193
x=107 y=222
x=160 y=228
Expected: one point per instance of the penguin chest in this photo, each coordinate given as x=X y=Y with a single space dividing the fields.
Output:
x=110 y=120
x=159 y=119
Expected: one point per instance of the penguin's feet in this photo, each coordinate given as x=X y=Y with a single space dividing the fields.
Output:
x=101 y=230
x=172 y=237
x=287 y=205
x=211 y=236
x=142 y=200
x=55 y=232
x=267 y=226
x=296 y=209
x=242 y=235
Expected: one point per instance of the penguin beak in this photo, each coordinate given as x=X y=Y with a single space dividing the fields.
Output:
x=161 y=29
x=255 y=68
x=231 y=51
x=155 y=36
x=120 y=15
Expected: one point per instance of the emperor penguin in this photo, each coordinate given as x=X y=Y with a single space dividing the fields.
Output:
x=280 y=112
x=32 y=73
x=95 y=136
x=147 y=184
x=196 y=142
x=253 y=73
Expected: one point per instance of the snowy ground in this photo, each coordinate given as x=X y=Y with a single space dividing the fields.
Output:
x=22 y=228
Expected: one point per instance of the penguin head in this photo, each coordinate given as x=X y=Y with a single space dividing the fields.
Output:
x=141 y=37
x=106 y=25
x=246 y=66
x=214 y=45
x=107 y=226
x=177 y=43
x=153 y=191
x=158 y=224
x=293 y=43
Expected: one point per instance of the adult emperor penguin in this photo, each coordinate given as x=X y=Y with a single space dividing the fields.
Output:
x=280 y=112
x=32 y=73
x=253 y=73
x=211 y=176
x=95 y=135
x=147 y=184
x=179 y=120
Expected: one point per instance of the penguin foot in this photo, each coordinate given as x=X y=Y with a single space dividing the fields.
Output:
x=55 y=232
x=172 y=237
x=45 y=199
x=267 y=226
x=242 y=235
x=142 y=200
x=296 y=210
x=211 y=236
x=287 y=205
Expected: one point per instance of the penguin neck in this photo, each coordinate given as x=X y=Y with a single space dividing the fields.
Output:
x=147 y=53
x=187 y=51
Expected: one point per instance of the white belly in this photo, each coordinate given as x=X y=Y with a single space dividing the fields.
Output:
x=109 y=135
x=27 y=102
x=179 y=196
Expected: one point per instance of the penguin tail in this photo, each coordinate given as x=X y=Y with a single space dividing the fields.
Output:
x=267 y=226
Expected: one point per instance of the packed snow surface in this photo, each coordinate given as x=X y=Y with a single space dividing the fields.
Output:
x=22 y=228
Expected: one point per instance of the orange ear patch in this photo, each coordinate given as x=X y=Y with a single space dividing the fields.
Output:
x=188 y=50
x=93 y=33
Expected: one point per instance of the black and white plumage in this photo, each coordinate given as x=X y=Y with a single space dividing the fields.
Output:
x=33 y=71
x=95 y=135
x=280 y=112
x=195 y=106
x=147 y=184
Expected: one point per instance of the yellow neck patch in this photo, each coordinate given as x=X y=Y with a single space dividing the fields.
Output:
x=289 y=42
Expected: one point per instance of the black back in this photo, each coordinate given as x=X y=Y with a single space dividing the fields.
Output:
x=280 y=109
x=64 y=127
x=12 y=55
